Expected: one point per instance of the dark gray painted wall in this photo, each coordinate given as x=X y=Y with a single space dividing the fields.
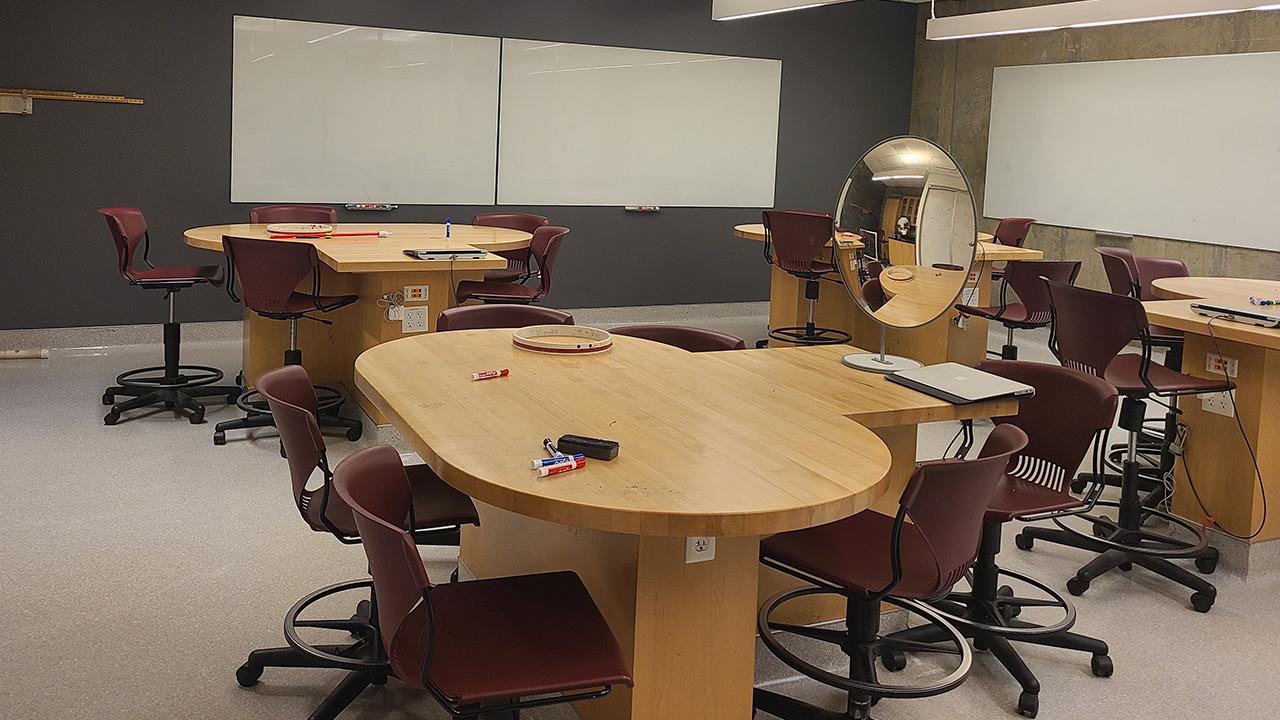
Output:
x=847 y=73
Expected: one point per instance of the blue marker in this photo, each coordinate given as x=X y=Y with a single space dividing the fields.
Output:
x=561 y=460
x=448 y=225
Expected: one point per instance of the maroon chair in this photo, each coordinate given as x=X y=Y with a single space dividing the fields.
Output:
x=869 y=558
x=1130 y=275
x=479 y=317
x=518 y=268
x=1032 y=309
x=873 y=293
x=544 y=247
x=322 y=214
x=494 y=645
x=686 y=338
x=438 y=511
x=1013 y=231
x=268 y=271
x=1070 y=413
x=1090 y=329
x=793 y=241
x=175 y=386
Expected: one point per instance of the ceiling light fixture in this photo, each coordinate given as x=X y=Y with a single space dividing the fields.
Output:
x=740 y=9
x=882 y=178
x=1079 y=14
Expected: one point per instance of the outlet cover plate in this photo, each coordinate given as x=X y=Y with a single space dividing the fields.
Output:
x=699 y=549
x=415 y=320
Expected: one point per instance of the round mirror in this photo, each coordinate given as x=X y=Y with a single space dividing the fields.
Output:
x=909 y=234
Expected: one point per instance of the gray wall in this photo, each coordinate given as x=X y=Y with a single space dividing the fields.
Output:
x=847 y=73
x=952 y=105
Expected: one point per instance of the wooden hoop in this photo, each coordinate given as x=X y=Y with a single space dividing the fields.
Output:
x=299 y=229
x=552 y=339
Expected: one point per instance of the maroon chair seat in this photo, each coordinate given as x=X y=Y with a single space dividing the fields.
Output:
x=796 y=241
x=543 y=248
x=435 y=505
x=506 y=642
x=1015 y=497
x=1125 y=372
x=173 y=385
x=1033 y=311
x=687 y=338
x=518 y=266
x=322 y=214
x=870 y=558
x=297 y=304
x=481 y=317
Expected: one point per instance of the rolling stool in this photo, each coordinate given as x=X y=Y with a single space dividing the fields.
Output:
x=1032 y=309
x=269 y=270
x=174 y=385
x=792 y=241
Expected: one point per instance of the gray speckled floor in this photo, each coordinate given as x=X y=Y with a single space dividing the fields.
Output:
x=140 y=563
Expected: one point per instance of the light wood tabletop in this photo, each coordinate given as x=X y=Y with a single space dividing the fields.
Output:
x=995 y=252
x=376 y=255
x=918 y=300
x=1177 y=314
x=755 y=231
x=707 y=449
x=1197 y=288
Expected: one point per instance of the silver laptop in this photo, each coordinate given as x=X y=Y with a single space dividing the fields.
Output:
x=960 y=384
x=446 y=254
x=1254 y=316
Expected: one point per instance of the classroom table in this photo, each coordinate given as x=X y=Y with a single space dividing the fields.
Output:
x=369 y=267
x=1216 y=453
x=732 y=445
x=1236 y=290
x=939 y=341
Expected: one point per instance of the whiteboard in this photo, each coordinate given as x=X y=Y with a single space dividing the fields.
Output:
x=1184 y=148
x=343 y=113
x=591 y=125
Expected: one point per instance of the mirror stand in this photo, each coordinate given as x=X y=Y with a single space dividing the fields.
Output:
x=880 y=363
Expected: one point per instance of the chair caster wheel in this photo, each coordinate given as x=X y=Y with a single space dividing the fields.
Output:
x=232 y=397
x=1201 y=602
x=112 y=418
x=1100 y=530
x=169 y=405
x=1023 y=542
x=893 y=660
x=1076 y=586
x=219 y=438
x=354 y=433
x=1101 y=666
x=1078 y=486
x=1008 y=611
x=1125 y=567
x=1206 y=565
x=1028 y=705
x=197 y=418
x=379 y=681
x=247 y=675
x=108 y=399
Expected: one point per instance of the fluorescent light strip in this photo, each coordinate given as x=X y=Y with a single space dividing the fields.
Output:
x=759 y=13
x=742 y=9
x=1080 y=14
x=882 y=178
x=331 y=35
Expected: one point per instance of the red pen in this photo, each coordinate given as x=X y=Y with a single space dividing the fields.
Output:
x=564 y=467
x=380 y=233
x=490 y=374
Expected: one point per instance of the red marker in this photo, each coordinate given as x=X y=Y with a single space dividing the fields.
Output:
x=564 y=467
x=316 y=236
x=490 y=374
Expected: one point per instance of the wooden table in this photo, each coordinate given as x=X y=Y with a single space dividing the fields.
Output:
x=939 y=341
x=915 y=301
x=1216 y=452
x=368 y=267
x=733 y=445
x=1236 y=290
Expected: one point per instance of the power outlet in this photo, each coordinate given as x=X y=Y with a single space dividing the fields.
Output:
x=699 y=549
x=415 y=293
x=1218 y=403
x=1217 y=364
x=415 y=320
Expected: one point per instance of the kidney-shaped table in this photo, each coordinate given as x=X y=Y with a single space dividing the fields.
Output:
x=732 y=445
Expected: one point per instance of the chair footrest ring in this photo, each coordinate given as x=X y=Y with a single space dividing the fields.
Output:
x=800 y=335
x=153 y=378
x=1178 y=549
x=1023 y=629
x=292 y=623
x=329 y=401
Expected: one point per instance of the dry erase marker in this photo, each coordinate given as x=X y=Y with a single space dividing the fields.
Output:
x=551 y=448
x=448 y=225
x=563 y=467
x=546 y=462
x=490 y=374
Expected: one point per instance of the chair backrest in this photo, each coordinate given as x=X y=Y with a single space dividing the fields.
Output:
x=1154 y=268
x=374 y=485
x=1023 y=276
x=294 y=405
x=525 y=222
x=293 y=214
x=874 y=268
x=269 y=270
x=1090 y=328
x=687 y=338
x=873 y=293
x=544 y=247
x=1062 y=420
x=128 y=228
x=479 y=317
x=1013 y=231
x=794 y=239
x=1122 y=270
x=947 y=500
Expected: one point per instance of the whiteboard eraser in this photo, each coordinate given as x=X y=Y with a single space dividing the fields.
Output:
x=643 y=208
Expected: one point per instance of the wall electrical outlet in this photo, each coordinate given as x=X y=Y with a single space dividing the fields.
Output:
x=1216 y=364
x=1218 y=403
x=415 y=320
x=699 y=549
x=415 y=293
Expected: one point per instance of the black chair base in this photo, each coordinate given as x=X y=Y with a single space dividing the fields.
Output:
x=175 y=386
x=354 y=428
x=810 y=335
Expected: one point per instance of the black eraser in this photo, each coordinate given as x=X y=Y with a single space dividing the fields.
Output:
x=591 y=447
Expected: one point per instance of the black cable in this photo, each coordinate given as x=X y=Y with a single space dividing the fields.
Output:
x=1235 y=411
x=947 y=453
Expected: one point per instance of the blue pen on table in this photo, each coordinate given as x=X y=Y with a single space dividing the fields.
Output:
x=448 y=226
x=540 y=463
